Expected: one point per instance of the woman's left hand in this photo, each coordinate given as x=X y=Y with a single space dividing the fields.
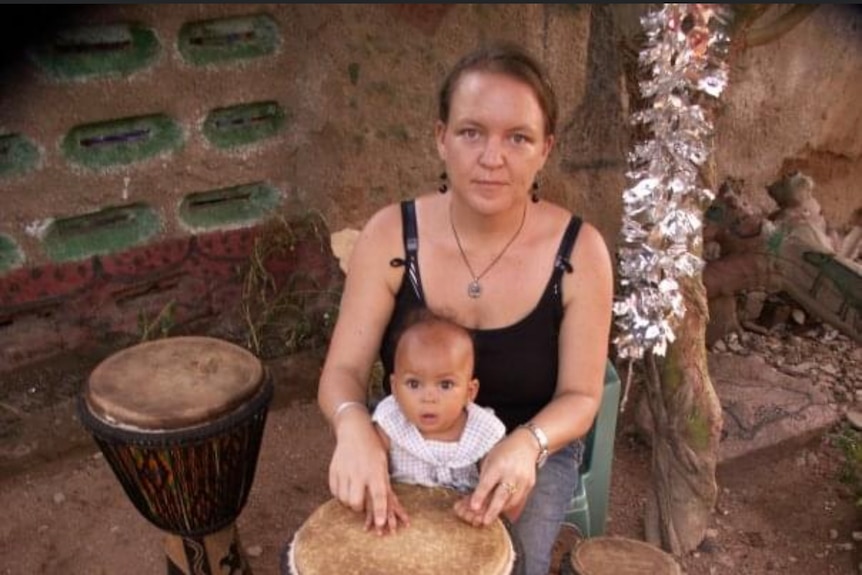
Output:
x=507 y=476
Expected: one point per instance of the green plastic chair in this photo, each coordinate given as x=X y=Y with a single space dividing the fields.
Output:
x=588 y=507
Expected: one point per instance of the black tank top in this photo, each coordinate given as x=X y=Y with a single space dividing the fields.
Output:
x=516 y=365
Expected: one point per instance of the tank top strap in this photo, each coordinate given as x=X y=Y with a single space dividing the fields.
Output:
x=410 y=236
x=564 y=253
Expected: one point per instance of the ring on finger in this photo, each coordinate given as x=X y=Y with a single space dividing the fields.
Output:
x=511 y=488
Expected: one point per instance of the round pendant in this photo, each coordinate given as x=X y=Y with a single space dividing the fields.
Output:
x=474 y=290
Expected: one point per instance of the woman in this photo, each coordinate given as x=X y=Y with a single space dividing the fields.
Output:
x=532 y=285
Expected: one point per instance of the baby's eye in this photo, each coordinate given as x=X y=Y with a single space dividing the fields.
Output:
x=412 y=383
x=447 y=384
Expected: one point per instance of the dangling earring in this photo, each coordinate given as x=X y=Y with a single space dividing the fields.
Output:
x=443 y=187
x=535 y=195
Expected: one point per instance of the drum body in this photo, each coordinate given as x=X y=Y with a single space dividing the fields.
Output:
x=180 y=421
x=333 y=540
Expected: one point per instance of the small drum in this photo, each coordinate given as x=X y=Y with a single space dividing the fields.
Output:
x=180 y=421
x=334 y=540
x=618 y=556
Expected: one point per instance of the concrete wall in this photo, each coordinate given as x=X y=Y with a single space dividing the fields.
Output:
x=797 y=104
x=117 y=122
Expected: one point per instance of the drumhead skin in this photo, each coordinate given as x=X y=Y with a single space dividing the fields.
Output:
x=333 y=540
x=172 y=383
x=620 y=556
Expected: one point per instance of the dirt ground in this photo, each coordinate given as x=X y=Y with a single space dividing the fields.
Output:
x=785 y=512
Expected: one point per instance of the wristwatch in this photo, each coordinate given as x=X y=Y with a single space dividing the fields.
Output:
x=541 y=438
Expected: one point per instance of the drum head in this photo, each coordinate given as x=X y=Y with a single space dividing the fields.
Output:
x=172 y=383
x=333 y=540
x=620 y=556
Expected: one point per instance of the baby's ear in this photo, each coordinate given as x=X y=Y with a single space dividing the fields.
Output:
x=472 y=389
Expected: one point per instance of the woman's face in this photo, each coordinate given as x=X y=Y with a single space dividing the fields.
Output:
x=494 y=143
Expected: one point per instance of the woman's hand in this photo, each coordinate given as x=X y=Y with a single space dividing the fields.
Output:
x=395 y=514
x=507 y=476
x=359 y=471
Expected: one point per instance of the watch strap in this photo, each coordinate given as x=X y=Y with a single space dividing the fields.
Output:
x=541 y=439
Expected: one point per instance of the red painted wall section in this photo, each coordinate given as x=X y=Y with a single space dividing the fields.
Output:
x=101 y=301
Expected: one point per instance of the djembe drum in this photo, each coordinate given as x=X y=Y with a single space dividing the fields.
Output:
x=618 y=556
x=334 y=540
x=180 y=421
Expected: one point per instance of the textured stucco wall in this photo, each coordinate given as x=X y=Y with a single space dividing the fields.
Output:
x=358 y=85
x=796 y=103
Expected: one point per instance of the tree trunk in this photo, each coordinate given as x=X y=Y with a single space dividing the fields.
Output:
x=687 y=421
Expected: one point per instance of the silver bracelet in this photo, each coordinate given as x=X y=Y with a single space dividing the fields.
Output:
x=345 y=405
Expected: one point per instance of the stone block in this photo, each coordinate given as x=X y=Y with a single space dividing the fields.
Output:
x=93 y=51
x=221 y=40
x=243 y=124
x=764 y=408
x=121 y=141
x=105 y=231
x=18 y=155
x=227 y=208
x=11 y=255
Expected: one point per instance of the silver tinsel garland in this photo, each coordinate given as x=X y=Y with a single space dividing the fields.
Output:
x=685 y=57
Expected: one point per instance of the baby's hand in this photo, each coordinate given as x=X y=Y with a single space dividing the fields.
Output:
x=395 y=513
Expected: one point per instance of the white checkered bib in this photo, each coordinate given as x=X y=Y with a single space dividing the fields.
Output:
x=414 y=459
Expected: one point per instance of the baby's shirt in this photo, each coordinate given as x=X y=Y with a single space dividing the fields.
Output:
x=414 y=459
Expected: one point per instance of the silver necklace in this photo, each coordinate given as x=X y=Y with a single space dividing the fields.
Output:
x=474 y=290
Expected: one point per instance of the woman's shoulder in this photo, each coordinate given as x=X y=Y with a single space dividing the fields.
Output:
x=551 y=221
x=382 y=231
x=389 y=216
x=559 y=217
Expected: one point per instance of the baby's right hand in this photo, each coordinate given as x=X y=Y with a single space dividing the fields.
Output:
x=395 y=513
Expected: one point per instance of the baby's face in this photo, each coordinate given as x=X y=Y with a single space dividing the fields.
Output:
x=433 y=381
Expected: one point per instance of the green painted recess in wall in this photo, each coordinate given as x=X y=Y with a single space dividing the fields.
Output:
x=243 y=124
x=96 y=51
x=121 y=141
x=17 y=154
x=105 y=231
x=10 y=254
x=226 y=39
x=229 y=207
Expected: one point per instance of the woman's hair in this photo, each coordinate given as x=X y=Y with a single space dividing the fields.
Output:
x=511 y=60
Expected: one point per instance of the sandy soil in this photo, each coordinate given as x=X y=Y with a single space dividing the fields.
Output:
x=785 y=512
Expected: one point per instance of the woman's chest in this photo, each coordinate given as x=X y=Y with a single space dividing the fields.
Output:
x=485 y=298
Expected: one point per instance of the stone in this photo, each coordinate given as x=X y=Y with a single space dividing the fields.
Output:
x=855 y=418
x=763 y=407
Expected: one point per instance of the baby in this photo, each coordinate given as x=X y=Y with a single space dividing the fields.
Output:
x=434 y=433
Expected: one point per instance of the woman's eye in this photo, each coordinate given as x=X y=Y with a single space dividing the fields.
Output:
x=520 y=139
x=470 y=133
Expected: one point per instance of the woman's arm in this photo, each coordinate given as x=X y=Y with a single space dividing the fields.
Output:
x=359 y=466
x=584 y=339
